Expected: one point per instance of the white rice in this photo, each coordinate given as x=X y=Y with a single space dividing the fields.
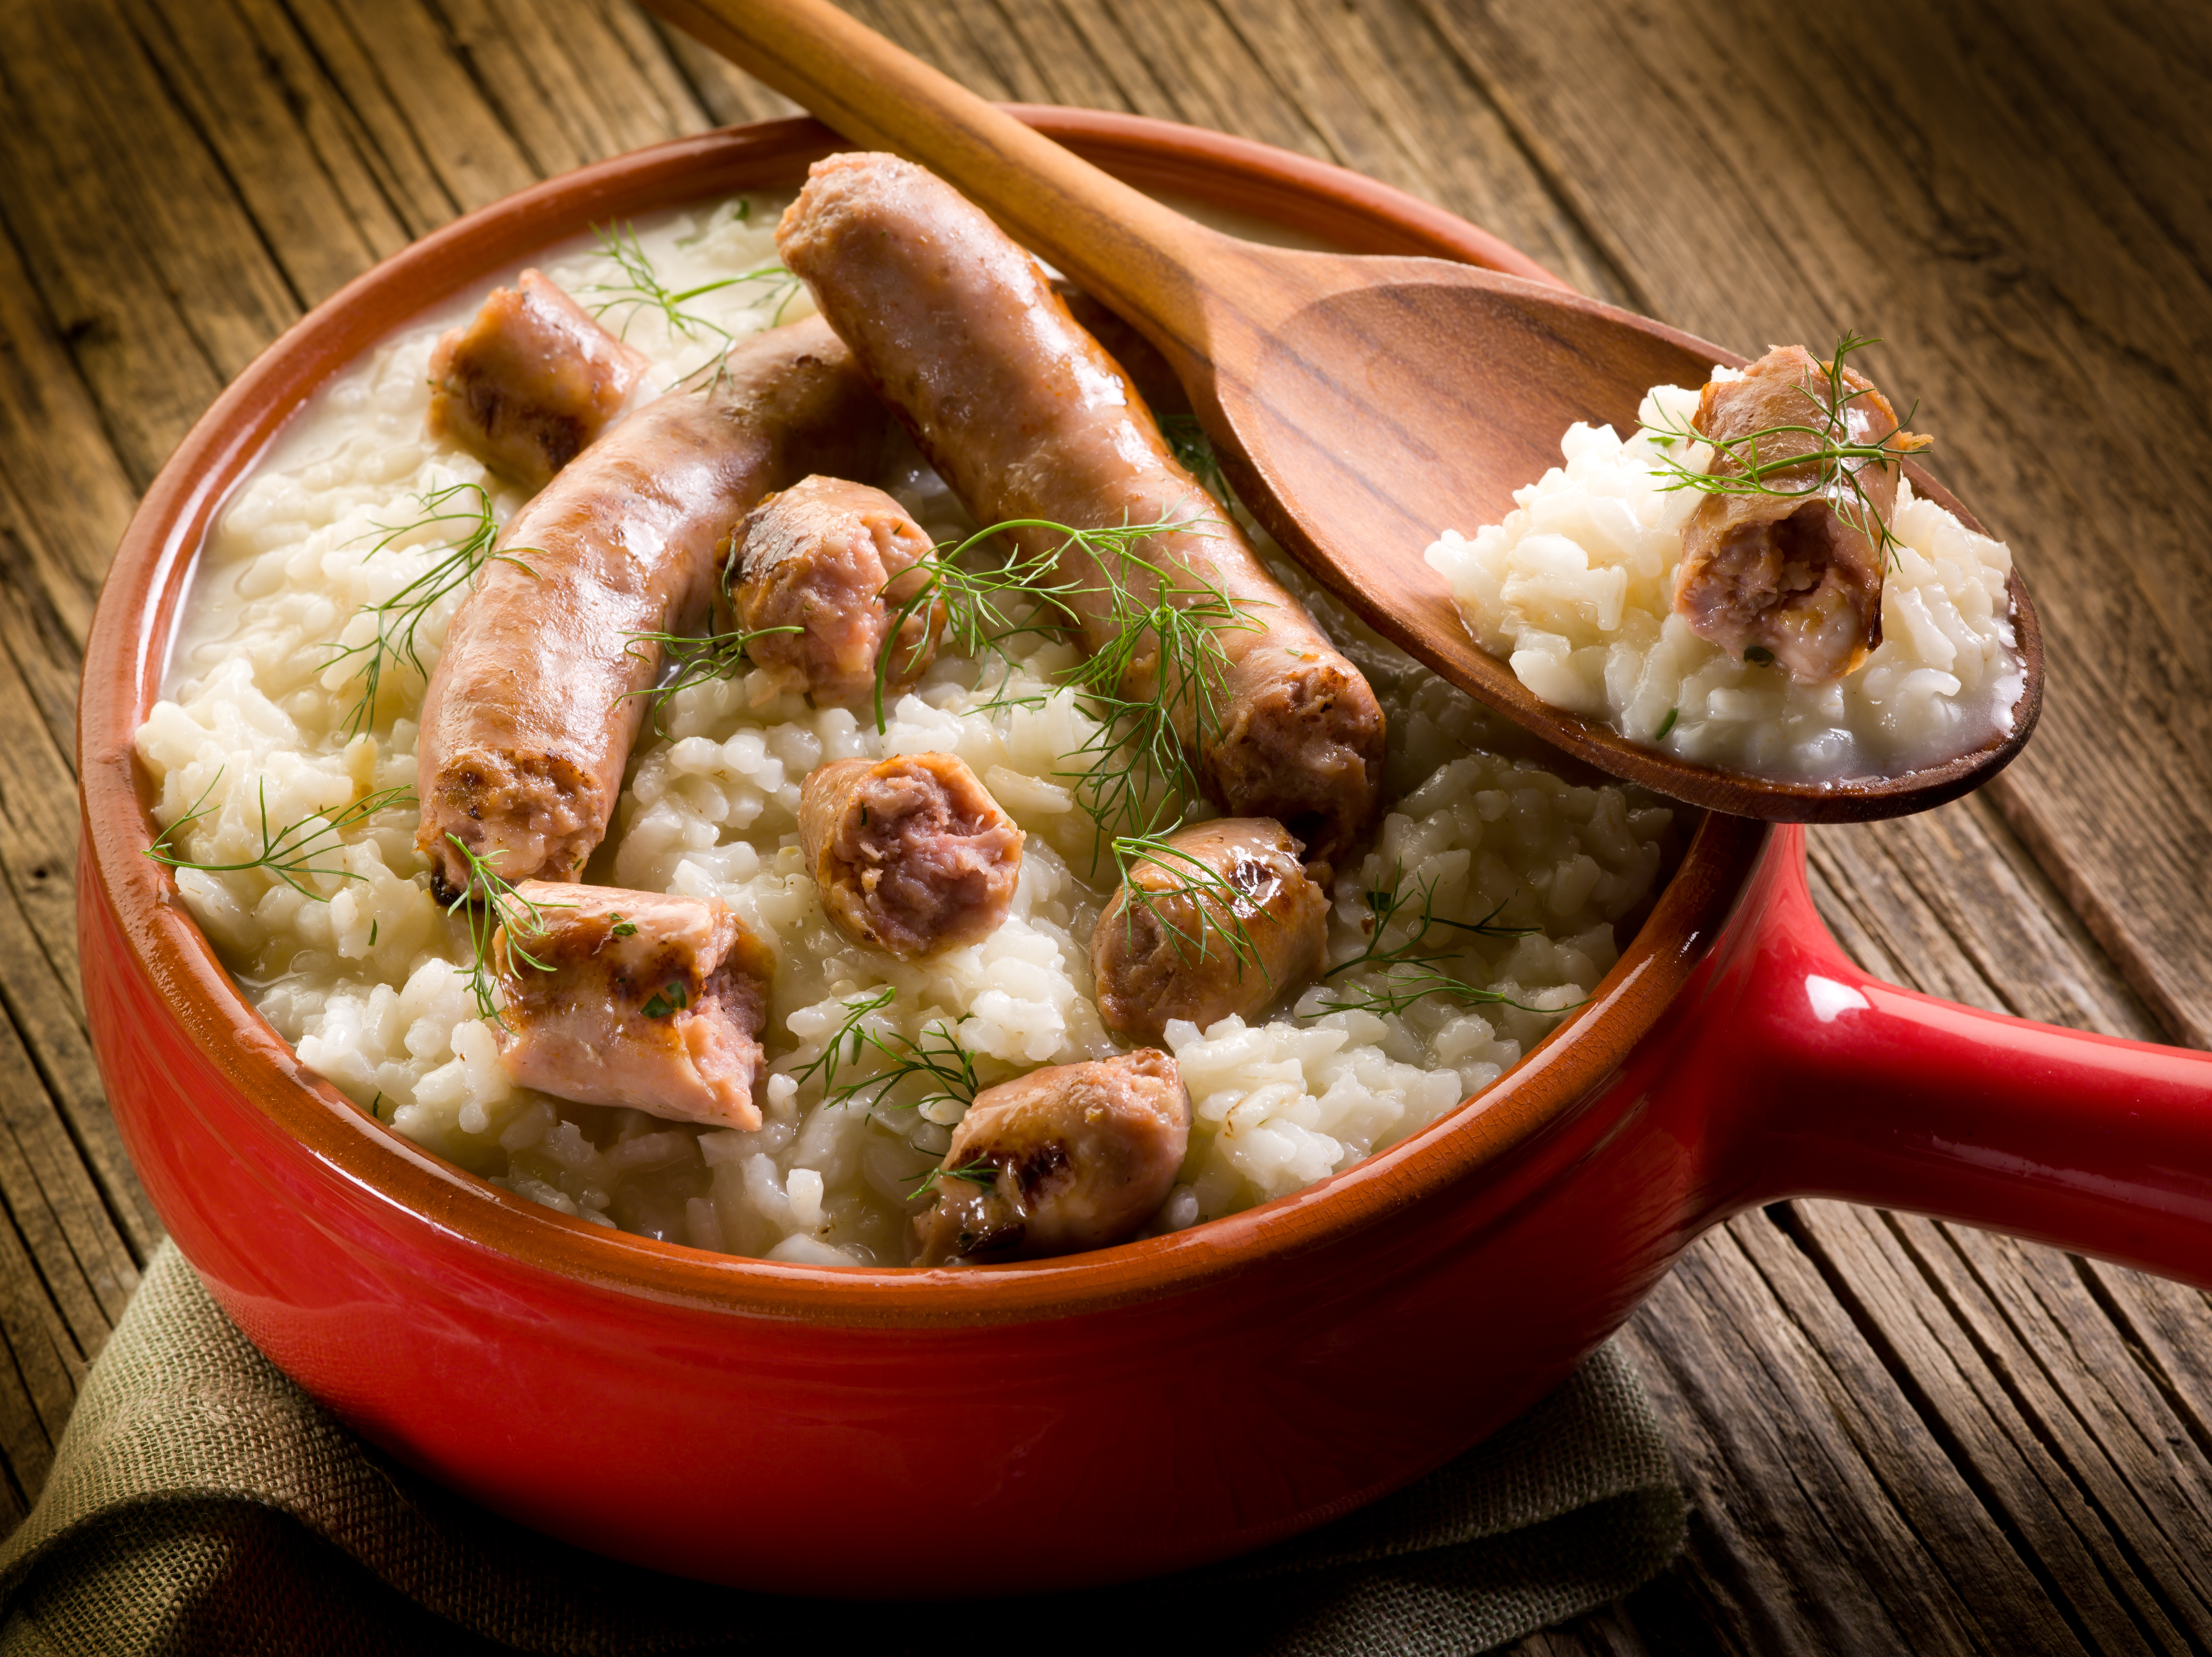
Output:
x=368 y=975
x=1574 y=590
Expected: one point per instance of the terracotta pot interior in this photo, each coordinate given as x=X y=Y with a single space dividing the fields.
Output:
x=127 y=663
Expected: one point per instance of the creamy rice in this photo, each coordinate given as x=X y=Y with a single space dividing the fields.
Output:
x=1574 y=590
x=368 y=975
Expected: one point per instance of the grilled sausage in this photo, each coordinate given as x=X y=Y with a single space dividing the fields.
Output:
x=529 y=381
x=912 y=855
x=1221 y=925
x=1026 y=417
x=532 y=709
x=1071 y=1157
x=835 y=560
x=635 y=998
x=1796 y=574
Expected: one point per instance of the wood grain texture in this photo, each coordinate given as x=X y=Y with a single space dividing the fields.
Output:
x=1898 y=1434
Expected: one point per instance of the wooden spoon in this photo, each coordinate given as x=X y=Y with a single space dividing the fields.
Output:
x=1358 y=405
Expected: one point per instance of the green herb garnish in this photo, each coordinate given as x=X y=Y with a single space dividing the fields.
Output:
x=672 y=998
x=641 y=290
x=289 y=853
x=1142 y=776
x=500 y=906
x=1739 y=466
x=1194 y=451
x=981 y=1172
x=399 y=618
x=1667 y=724
x=1412 y=969
x=1759 y=656
x=1217 y=907
x=946 y=1069
x=623 y=929
x=700 y=659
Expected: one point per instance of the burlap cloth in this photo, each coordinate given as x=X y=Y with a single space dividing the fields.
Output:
x=201 y=1503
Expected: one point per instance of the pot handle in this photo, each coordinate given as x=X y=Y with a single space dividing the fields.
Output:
x=1822 y=1082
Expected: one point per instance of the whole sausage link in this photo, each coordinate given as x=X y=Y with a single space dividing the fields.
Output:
x=530 y=712
x=1024 y=415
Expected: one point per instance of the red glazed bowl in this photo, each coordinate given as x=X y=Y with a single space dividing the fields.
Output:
x=1111 y=1415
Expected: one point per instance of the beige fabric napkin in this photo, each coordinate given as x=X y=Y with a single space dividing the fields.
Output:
x=201 y=1503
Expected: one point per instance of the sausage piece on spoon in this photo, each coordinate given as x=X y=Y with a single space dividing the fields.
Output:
x=636 y=998
x=1795 y=569
x=538 y=694
x=530 y=381
x=1070 y=1157
x=1022 y=412
x=912 y=855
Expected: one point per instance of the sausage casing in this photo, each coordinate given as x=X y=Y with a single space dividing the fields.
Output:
x=834 y=559
x=913 y=856
x=533 y=707
x=529 y=381
x=1185 y=948
x=1797 y=572
x=636 y=998
x=1072 y=1156
x=1023 y=413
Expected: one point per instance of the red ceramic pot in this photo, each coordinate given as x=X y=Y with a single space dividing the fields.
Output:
x=1110 y=1415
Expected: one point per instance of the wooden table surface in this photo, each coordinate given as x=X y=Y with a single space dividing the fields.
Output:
x=1898 y=1434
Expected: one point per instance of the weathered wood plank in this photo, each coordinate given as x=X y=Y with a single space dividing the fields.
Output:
x=55 y=452
x=304 y=185
x=1985 y=1429
x=394 y=62
x=332 y=73
x=1824 y=1541
x=549 y=90
x=729 y=95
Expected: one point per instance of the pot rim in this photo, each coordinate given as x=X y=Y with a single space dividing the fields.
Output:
x=127 y=659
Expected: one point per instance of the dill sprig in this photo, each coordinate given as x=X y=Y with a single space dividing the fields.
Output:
x=399 y=618
x=981 y=1172
x=500 y=905
x=1193 y=451
x=945 y=1069
x=983 y=608
x=1141 y=775
x=1412 y=969
x=1218 y=908
x=288 y=852
x=699 y=659
x=1739 y=466
x=642 y=290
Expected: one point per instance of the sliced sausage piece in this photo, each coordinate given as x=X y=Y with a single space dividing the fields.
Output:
x=835 y=559
x=912 y=855
x=1071 y=1157
x=533 y=705
x=1181 y=947
x=1798 y=576
x=1022 y=412
x=530 y=381
x=636 y=998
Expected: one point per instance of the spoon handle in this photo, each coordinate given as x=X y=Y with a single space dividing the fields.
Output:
x=1118 y=244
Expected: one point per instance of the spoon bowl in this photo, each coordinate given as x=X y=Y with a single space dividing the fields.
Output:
x=1359 y=404
x=1386 y=399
